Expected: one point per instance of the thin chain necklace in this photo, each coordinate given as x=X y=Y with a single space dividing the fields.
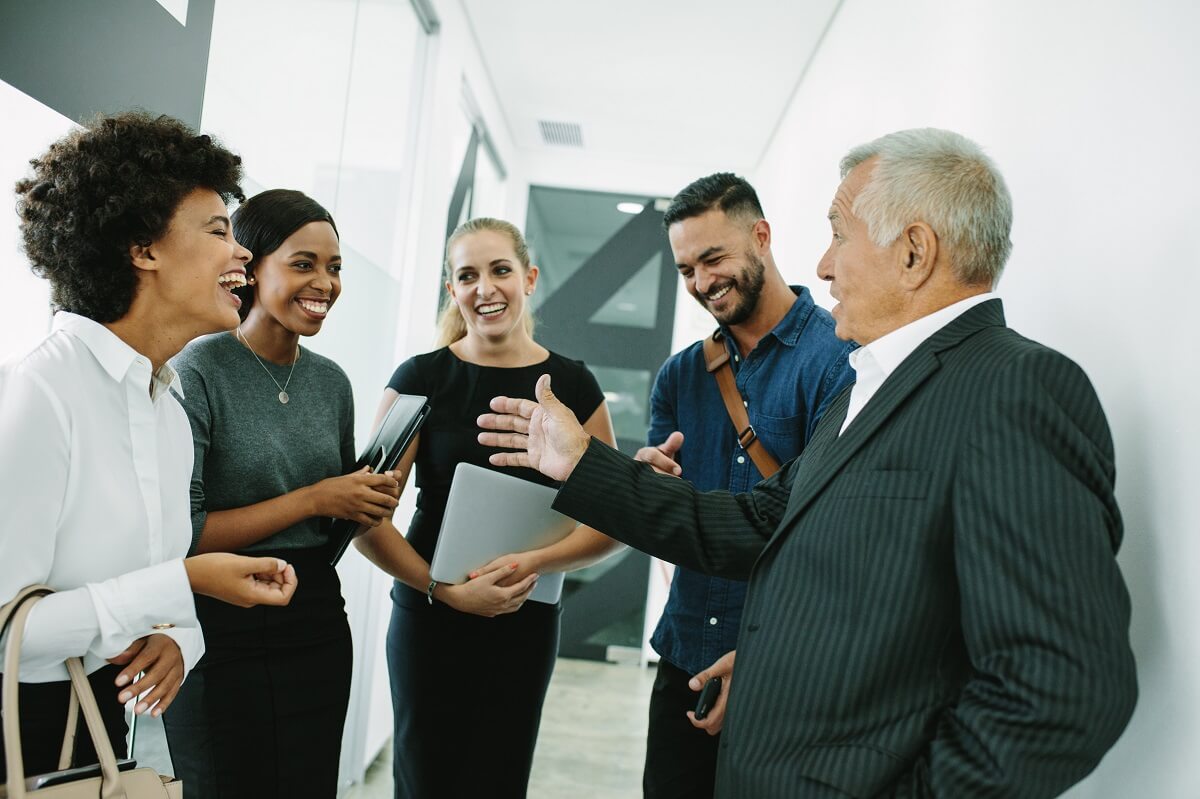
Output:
x=283 y=395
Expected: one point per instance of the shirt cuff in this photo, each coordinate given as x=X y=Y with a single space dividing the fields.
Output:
x=191 y=645
x=129 y=606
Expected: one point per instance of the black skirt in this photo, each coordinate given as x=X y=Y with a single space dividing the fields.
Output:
x=43 y=709
x=262 y=714
x=467 y=692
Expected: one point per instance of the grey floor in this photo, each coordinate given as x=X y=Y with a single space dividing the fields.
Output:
x=591 y=743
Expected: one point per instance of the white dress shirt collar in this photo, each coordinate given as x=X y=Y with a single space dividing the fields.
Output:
x=115 y=356
x=875 y=362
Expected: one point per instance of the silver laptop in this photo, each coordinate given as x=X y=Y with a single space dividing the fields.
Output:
x=490 y=514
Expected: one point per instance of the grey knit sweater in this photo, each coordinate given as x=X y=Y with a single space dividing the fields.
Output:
x=249 y=446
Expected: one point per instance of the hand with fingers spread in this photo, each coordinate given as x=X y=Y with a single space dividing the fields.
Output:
x=546 y=433
x=723 y=668
x=662 y=457
x=160 y=658
x=240 y=579
x=484 y=596
x=363 y=497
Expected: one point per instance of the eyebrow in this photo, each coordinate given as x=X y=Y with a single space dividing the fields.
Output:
x=497 y=262
x=216 y=218
x=313 y=255
x=710 y=252
x=834 y=216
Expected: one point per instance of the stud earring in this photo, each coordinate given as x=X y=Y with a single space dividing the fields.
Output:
x=250 y=281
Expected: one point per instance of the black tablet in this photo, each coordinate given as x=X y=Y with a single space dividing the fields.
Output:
x=387 y=445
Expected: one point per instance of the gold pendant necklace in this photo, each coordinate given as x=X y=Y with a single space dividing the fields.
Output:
x=283 y=395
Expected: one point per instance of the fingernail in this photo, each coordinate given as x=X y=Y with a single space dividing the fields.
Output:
x=512 y=565
x=122 y=680
x=694 y=684
x=125 y=696
x=157 y=712
x=472 y=575
x=140 y=709
x=282 y=563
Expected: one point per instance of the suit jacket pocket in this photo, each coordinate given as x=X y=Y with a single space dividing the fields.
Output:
x=882 y=483
x=858 y=770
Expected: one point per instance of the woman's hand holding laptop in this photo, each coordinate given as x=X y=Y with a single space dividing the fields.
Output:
x=485 y=595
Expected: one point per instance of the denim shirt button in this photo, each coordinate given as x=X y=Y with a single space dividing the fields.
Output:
x=741 y=458
x=713 y=620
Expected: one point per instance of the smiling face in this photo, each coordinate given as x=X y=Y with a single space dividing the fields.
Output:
x=718 y=257
x=488 y=283
x=297 y=284
x=865 y=278
x=193 y=268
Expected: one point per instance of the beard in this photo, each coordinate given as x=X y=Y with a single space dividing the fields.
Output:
x=749 y=286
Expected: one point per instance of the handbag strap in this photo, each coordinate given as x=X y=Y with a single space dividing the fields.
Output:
x=716 y=361
x=13 y=616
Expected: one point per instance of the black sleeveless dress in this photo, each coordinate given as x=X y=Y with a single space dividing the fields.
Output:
x=467 y=690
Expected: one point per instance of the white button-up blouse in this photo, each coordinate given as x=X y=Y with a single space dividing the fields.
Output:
x=95 y=464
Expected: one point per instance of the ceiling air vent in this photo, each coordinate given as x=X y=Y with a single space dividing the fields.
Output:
x=564 y=134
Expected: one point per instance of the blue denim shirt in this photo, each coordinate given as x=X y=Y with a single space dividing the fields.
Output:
x=787 y=381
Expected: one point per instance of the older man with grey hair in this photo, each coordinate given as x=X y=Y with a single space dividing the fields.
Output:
x=935 y=607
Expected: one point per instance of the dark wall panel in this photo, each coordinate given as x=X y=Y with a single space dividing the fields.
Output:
x=85 y=56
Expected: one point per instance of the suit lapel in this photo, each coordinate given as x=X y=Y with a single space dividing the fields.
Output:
x=828 y=452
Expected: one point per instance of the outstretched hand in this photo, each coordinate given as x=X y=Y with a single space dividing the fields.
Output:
x=545 y=433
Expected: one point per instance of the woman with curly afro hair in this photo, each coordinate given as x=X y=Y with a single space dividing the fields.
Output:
x=127 y=219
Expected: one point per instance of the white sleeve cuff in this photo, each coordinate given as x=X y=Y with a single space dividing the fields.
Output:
x=129 y=606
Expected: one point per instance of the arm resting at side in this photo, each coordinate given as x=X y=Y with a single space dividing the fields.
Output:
x=1045 y=612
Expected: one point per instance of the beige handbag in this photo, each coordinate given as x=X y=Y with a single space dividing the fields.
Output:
x=138 y=783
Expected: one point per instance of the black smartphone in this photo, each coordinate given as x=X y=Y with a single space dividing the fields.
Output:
x=72 y=774
x=708 y=697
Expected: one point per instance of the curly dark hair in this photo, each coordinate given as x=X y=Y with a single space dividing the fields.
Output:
x=99 y=190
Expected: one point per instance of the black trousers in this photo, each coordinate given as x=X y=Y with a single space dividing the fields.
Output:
x=467 y=692
x=262 y=714
x=43 y=709
x=681 y=761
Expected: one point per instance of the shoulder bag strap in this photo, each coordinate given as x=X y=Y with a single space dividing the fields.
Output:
x=716 y=359
x=13 y=615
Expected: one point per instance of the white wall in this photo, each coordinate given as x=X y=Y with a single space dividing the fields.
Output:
x=27 y=318
x=1091 y=110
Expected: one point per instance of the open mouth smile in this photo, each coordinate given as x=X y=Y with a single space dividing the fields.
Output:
x=713 y=296
x=491 y=309
x=314 y=306
x=233 y=279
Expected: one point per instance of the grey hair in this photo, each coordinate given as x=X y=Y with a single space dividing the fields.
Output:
x=945 y=180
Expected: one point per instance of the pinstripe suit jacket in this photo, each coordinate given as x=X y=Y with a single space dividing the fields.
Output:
x=935 y=609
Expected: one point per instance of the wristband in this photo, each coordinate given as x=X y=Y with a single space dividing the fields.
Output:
x=429 y=591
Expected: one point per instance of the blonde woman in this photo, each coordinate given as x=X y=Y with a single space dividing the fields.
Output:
x=470 y=663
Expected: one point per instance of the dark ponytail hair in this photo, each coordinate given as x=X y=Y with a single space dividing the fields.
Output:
x=263 y=223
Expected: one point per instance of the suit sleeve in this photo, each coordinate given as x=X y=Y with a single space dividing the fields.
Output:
x=1045 y=613
x=715 y=532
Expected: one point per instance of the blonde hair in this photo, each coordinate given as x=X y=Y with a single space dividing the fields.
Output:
x=450 y=325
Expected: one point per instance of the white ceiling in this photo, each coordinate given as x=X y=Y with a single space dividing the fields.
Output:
x=678 y=81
